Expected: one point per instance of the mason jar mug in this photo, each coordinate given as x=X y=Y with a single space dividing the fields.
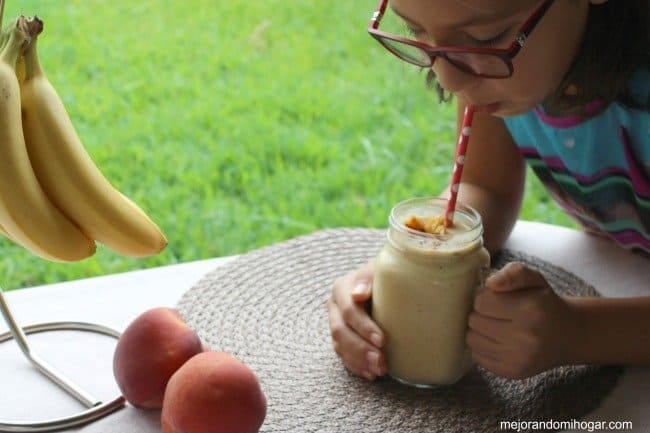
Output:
x=423 y=292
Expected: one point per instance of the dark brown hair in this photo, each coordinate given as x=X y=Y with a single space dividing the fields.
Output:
x=616 y=43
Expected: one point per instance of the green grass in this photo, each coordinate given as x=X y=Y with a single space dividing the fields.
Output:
x=241 y=123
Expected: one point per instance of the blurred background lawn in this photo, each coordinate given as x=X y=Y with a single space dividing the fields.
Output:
x=236 y=124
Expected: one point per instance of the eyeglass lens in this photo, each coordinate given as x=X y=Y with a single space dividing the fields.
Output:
x=479 y=64
x=407 y=52
x=476 y=63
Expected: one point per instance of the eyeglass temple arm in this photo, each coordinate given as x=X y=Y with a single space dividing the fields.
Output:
x=378 y=14
x=532 y=23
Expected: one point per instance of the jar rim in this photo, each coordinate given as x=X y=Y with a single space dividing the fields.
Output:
x=470 y=215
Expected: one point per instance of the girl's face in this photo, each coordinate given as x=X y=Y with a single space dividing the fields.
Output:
x=538 y=68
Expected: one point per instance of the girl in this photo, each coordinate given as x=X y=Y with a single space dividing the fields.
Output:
x=565 y=86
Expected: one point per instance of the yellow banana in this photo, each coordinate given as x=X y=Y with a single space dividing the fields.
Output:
x=20 y=69
x=26 y=213
x=69 y=176
x=2 y=10
x=3 y=38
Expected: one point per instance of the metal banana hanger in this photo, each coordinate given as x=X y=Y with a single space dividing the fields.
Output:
x=95 y=408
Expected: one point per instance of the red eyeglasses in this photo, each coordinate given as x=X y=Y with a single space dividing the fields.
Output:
x=482 y=62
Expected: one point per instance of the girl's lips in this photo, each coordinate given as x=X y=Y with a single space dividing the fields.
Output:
x=489 y=108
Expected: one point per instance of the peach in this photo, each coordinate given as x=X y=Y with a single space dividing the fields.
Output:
x=213 y=393
x=149 y=352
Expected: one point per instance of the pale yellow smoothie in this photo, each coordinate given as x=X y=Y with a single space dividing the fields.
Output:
x=423 y=291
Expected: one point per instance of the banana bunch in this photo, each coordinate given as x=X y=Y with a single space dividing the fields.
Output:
x=54 y=201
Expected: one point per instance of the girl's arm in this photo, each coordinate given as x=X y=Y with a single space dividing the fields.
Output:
x=521 y=327
x=611 y=330
x=493 y=177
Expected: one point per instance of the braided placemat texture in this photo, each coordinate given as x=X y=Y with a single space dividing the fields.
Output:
x=268 y=308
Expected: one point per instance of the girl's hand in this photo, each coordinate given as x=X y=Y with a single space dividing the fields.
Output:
x=356 y=337
x=519 y=326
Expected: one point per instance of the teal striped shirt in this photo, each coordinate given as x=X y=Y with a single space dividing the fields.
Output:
x=598 y=169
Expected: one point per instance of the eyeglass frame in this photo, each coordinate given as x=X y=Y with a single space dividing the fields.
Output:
x=505 y=54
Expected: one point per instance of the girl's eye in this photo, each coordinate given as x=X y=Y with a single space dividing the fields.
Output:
x=492 y=42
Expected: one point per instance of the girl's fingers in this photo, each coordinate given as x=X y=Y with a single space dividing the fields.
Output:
x=497 y=305
x=356 y=337
x=488 y=327
x=361 y=291
x=481 y=344
x=359 y=356
x=354 y=314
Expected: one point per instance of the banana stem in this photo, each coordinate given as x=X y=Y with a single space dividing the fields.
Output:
x=19 y=33
x=33 y=26
x=32 y=65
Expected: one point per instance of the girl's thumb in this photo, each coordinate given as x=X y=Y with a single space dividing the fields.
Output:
x=361 y=291
x=499 y=281
x=515 y=276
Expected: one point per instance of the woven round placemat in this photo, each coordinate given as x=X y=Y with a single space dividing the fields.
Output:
x=268 y=308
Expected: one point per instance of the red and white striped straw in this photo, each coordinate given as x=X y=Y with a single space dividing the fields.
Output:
x=459 y=161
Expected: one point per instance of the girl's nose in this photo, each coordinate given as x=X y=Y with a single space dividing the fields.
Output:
x=452 y=79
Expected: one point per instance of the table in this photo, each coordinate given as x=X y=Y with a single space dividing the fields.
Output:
x=115 y=300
